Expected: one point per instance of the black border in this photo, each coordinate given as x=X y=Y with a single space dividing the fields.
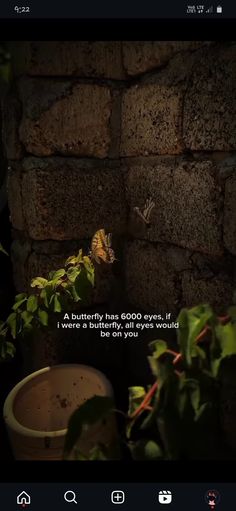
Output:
x=117 y=29
x=108 y=471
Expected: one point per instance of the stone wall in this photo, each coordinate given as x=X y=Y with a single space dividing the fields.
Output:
x=93 y=129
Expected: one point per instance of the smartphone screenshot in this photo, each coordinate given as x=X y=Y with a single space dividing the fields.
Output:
x=118 y=256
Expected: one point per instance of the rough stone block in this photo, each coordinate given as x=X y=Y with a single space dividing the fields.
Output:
x=11 y=114
x=151 y=110
x=70 y=199
x=164 y=278
x=230 y=213
x=209 y=118
x=151 y=282
x=65 y=118
x=15 y=199
x=142 y=56
x=19 y=255
x=151 y=121
x=217 y=291
x=187 y=199
x=101 y=59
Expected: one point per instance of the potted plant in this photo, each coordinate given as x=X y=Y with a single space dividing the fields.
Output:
x=38 y=408
x=37 y=411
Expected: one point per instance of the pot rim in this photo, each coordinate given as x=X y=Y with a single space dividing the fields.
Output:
x=13 y=424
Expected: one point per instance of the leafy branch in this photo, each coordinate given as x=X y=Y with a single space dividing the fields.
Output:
x=62 y=288
x=179 y=415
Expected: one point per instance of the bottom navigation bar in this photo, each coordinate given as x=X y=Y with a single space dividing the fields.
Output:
x=129 y=496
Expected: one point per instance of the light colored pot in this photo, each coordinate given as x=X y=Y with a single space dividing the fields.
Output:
x=37 y=410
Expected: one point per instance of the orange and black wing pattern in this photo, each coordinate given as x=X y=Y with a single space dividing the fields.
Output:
x=101 y=248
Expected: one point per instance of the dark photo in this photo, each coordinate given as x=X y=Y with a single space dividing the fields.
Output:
x=118 y=250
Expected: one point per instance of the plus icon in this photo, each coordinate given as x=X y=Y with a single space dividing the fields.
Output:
x=118 y=497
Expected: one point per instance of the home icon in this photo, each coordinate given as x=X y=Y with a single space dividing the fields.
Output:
x=23 y=499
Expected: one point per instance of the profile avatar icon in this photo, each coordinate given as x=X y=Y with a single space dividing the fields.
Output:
x=212 y=498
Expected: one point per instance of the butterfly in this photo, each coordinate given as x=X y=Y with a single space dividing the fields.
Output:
x=101 y=247
x=145 y=214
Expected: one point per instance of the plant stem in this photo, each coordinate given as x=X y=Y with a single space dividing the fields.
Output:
x=178 y=356
x=145 y=402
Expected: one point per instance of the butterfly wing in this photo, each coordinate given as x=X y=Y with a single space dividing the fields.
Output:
x=97 y=245
x=101 y=247
x=109 y=250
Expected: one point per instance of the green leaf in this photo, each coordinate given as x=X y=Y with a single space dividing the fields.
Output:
x=191 y=323
x=10 y=349
x=39 y=282
x=18 y=304
x=80 y=256
x=32 y=303
x=72 y=260
x=189 y=391
x=158 y=348
x=51 y=298
x=3 y=329
x=83 y=285
x=7 y=349
x=45 y=295
x=3 y=349
x=198 y=352
x=146 y=449
x=3 y=353
x=74 y=294
x=89 y=267
x=72 y=273
x=78 y=456
x=136 y=397
x=226 y=335
x=3 y=250
x=27 y=317
x=75 y=260
x=43 y=317
x=57 y=303
x=11 y=321
x=20 y=297
x=98 y=452
x=203 y=408
x=92 y=411
x=56 y=275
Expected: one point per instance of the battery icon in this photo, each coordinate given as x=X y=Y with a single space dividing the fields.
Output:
x=219 y=9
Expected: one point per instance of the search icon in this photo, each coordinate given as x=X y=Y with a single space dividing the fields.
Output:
x=70 y=496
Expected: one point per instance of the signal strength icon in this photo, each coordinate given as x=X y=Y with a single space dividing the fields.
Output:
x=210 y=10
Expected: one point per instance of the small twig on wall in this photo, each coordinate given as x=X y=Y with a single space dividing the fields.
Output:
x=146 y=213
